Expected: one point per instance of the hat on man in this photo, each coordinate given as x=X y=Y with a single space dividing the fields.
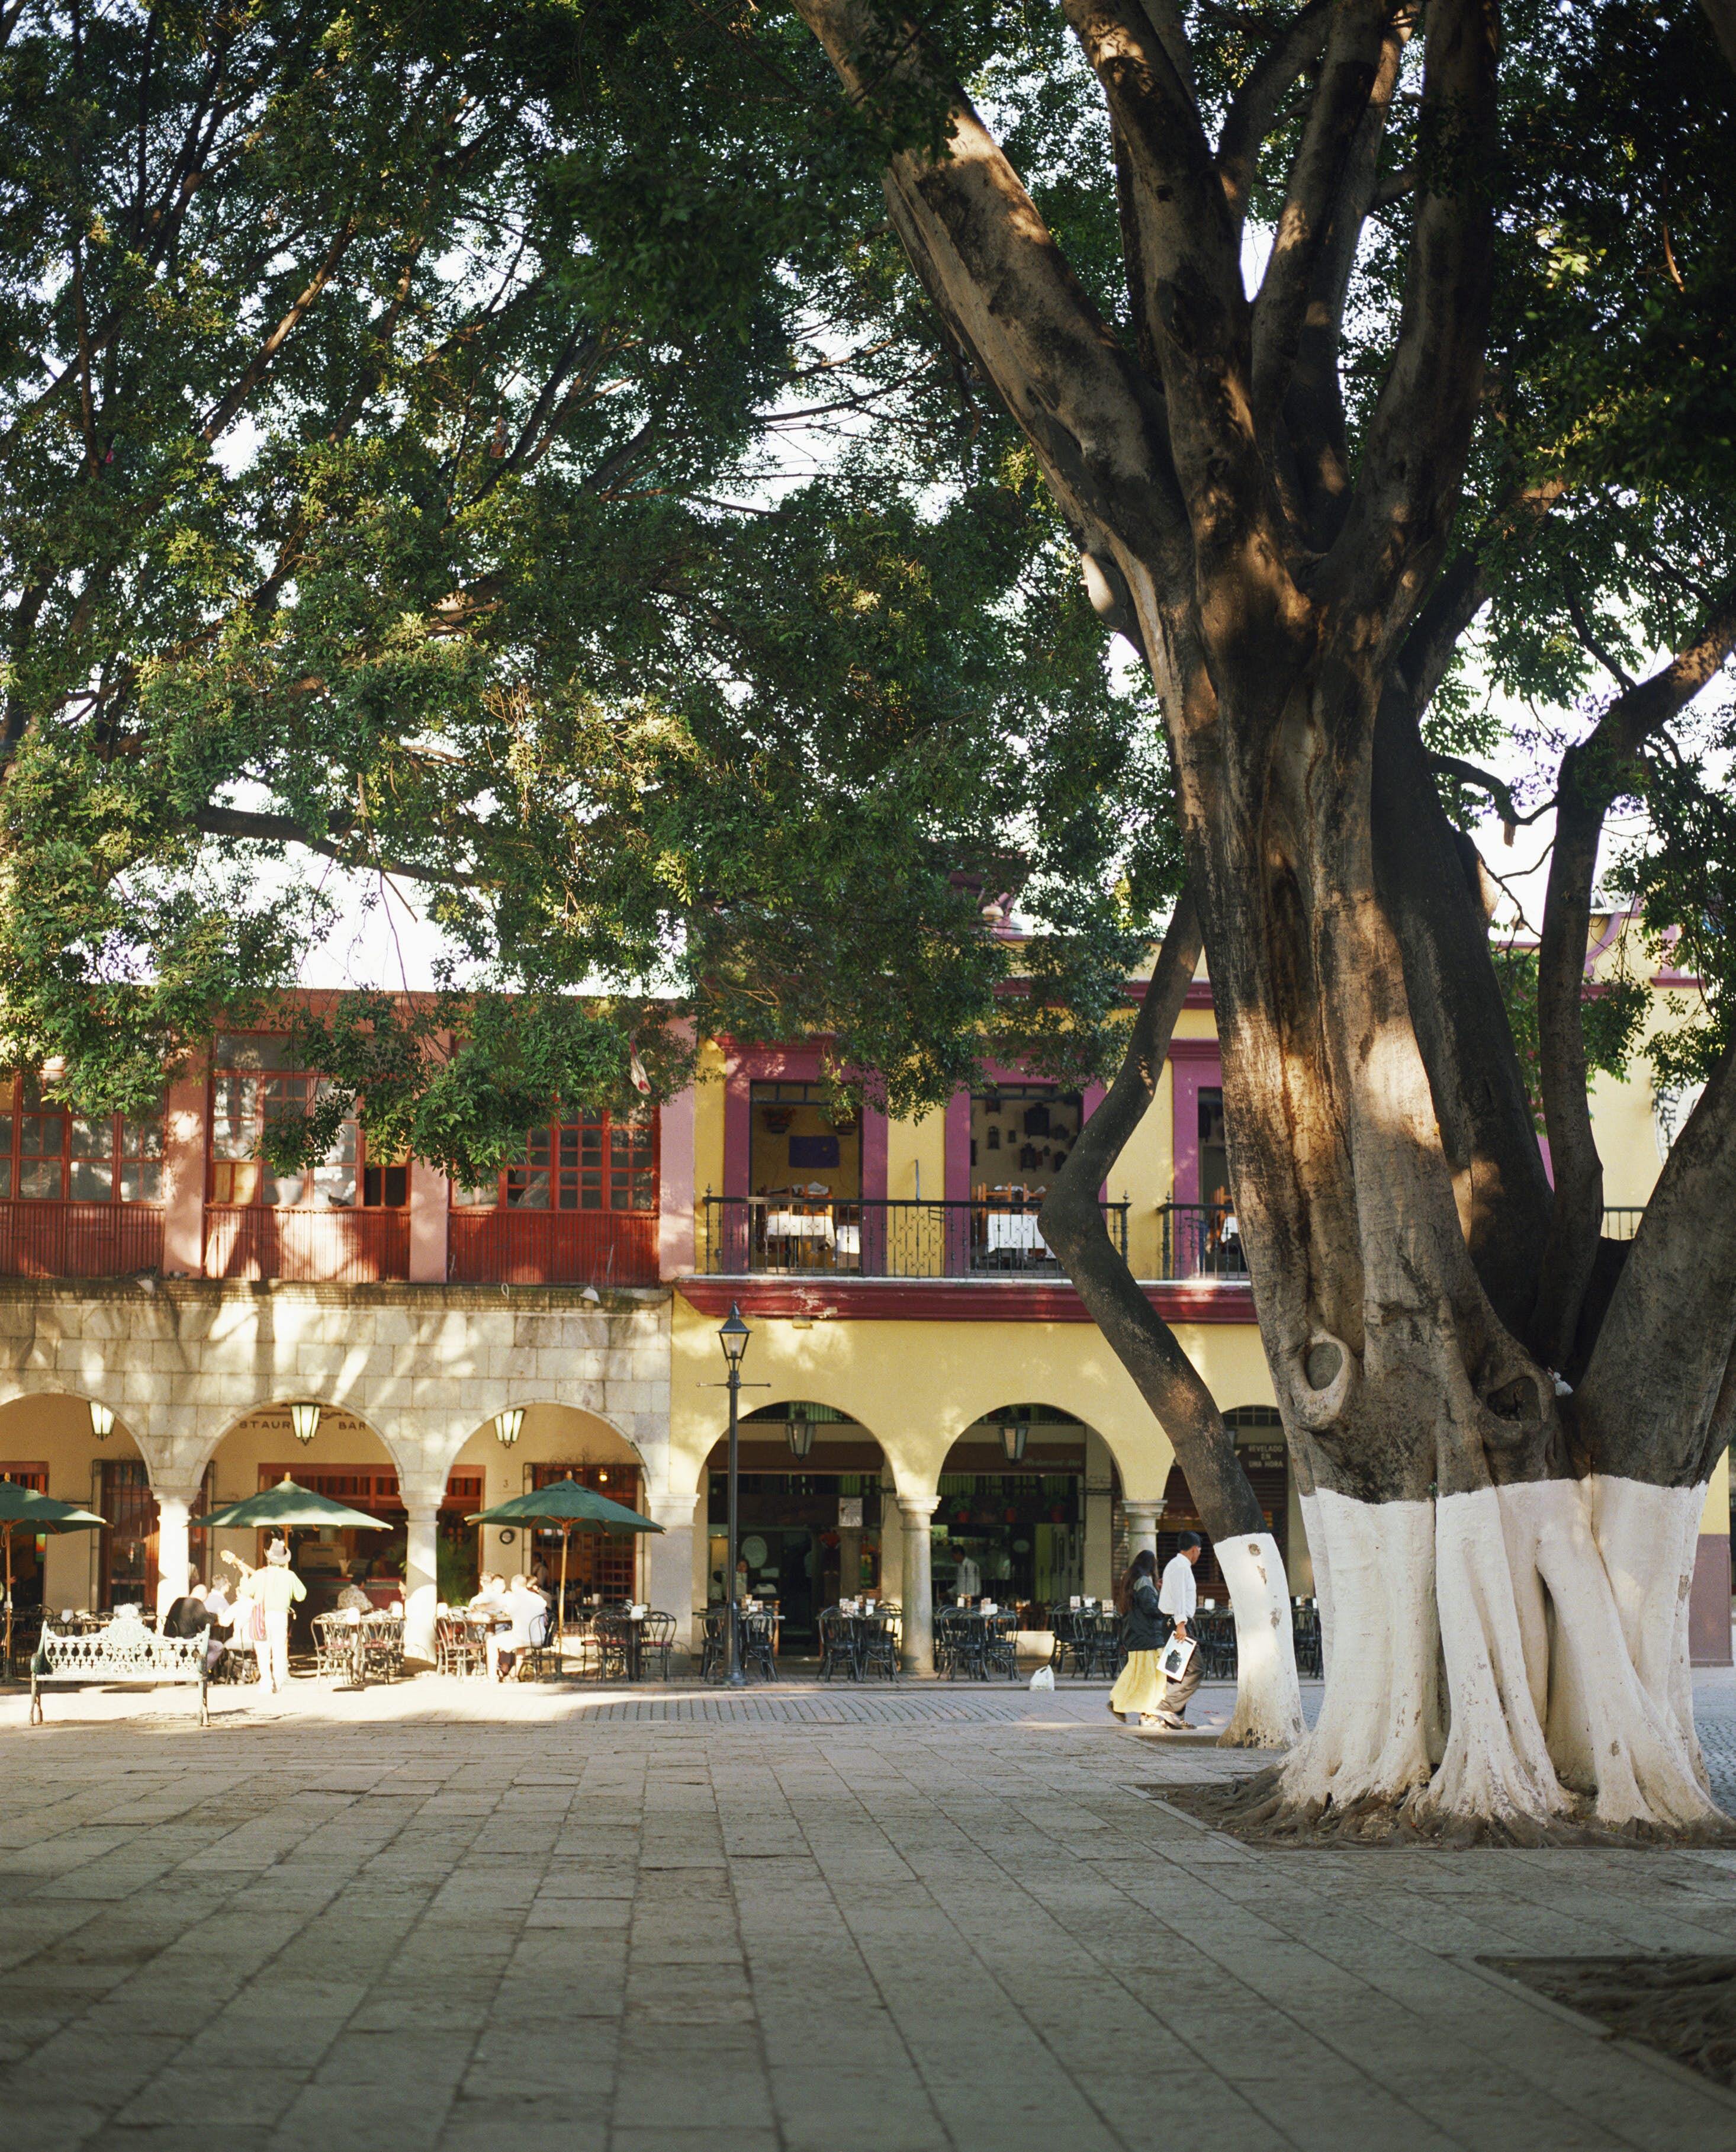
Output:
x=276 y=1552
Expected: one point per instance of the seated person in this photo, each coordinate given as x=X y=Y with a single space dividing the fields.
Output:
x=189 y=1615
x=489 y=1597
x=529 y=1613
x=353 y=1598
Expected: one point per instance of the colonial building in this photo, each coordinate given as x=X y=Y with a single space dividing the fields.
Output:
x=180 y=1328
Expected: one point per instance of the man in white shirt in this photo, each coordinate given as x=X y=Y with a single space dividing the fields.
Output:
x=1177 y=1598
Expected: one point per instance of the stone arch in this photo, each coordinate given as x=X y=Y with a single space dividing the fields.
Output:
x=197 y=1459
x=45 y=1431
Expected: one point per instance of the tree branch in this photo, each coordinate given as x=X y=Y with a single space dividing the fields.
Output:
x=214 y=821
x=1647 y=1406
x=1254 y=109
x=1413 y=456
x=1315 y=200
x=1009 y=297
x=1593 y=776
x=1071 y=1221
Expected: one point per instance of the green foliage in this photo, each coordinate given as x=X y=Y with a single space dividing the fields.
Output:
x=504 y=450
x=1613 y=1014
x=499 y=448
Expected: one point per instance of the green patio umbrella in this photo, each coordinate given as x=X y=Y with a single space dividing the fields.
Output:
x=566 y=1504
x=36 y=1513
x=287 y=1504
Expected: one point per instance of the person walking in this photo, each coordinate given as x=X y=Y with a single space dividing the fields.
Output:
x=276 y=1588
x=1138 y=1690
x=1177 y=1598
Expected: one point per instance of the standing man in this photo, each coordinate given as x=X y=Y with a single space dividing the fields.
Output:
x=1177 y=1598
x=276 y=1587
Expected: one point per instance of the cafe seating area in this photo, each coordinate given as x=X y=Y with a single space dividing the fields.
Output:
x=859 y=1640
x=976 y=1643
x=612 y=1641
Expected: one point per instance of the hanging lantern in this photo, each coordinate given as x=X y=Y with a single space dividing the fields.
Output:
x=102 y=1422
x=304 y=1421
x=801 y=1434
x=1012 y=1440
x=507 y=1424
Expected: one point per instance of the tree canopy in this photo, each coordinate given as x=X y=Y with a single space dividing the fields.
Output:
x=505 y=448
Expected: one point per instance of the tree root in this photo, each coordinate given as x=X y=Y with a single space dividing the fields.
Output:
x=1257 y=1809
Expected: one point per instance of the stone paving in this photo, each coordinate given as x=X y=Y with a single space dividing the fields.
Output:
x=443 y=1916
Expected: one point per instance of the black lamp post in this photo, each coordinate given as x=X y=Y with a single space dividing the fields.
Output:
x=733 y=1336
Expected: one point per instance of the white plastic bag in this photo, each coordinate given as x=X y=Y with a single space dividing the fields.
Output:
x=1043 y=1678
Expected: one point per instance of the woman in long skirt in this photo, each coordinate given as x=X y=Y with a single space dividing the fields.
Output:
x=1139 y=1691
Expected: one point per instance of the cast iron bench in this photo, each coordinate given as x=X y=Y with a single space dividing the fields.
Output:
x=140 y=1657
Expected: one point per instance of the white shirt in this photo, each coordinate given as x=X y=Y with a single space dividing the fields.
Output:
x=969 y=1580
x=1177 y=1598
x=528 y=1609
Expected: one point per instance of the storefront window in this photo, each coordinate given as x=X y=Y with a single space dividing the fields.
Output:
x=50 y=1155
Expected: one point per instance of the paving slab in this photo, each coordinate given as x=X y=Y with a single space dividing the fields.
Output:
x=449 y=1915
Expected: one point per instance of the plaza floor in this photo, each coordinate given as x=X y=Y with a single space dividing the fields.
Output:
x=449 y=1916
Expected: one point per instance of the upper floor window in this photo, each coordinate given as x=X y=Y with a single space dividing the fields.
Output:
x=591 y=1162
x=48 y=1154
x=255 y=1081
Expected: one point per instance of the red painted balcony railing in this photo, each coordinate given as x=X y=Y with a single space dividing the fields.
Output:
x=551 y=1247
x=317 y=1247
x=79 y=1239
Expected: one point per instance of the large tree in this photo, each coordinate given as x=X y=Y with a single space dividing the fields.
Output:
x=1503 y=1439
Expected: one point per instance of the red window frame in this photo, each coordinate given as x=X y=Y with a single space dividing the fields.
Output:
x=602 y=1163
x=42 y=1143
x=250 y=1070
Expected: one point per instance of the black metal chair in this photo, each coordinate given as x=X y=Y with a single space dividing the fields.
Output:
x=837 y=1646
x=757 y=1655
x=1310 y=1645
x=714 y=1643
x=382 y=1647
x=1000 y=1646
x=335 y=1654
x=877 y=1645
x=657 y=1640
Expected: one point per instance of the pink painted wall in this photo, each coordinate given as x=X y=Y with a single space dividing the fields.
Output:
x=675 y=1185
x=184 y=1179
x=430 y=1207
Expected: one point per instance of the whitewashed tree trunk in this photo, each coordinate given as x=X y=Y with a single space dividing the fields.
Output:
x=1268 y=1695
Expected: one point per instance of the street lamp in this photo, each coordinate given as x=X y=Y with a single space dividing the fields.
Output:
x=1012 y=1440
x=102 y=1422
x=304 y=1421
x=733 y=1336
x=800 y=1430
x=507 y=1424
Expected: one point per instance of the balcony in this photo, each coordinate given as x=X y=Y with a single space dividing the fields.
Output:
x=312 y=1247
x=551 y=1247
x=1202 y=1240
x=779 y=1237
x=79 y=1239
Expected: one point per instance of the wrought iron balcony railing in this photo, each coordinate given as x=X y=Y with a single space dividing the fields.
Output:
x=800 y=1235
x=1201 y=1241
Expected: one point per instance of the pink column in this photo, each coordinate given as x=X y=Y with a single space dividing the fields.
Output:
x=676 y=1151
x=429 y=1210
x=184 y=1178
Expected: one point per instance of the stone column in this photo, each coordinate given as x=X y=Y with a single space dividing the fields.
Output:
x=175 y=1505
x=421 y=1585
x=1142 y=1518
x=918 y=1600
x=891 y=1547
x=669 y=1563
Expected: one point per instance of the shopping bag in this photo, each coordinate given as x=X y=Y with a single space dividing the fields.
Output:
x=1044 y=1678
x=1176 y=1654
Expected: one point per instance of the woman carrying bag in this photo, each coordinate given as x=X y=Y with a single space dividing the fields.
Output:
x=1138 y=1690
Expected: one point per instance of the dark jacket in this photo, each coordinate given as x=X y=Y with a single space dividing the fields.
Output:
x=186 y=1617
x=1147 y=1626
